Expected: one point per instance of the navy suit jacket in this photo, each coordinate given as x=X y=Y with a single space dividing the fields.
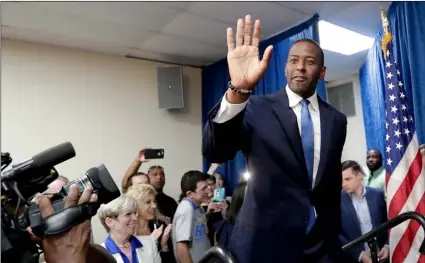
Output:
x=350 y=225
x=271 y=224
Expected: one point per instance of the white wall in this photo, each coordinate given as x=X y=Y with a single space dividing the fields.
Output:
x=355 y=143
x=106 y=106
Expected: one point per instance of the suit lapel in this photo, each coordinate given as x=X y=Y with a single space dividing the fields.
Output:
x=371 y=203
x=288 y=120
x=352 y=212
x=327 y=119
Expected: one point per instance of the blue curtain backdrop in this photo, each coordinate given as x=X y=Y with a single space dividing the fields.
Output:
x=407 y=24
x=216 y=76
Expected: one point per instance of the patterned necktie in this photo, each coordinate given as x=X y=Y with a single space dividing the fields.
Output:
x=307 y=139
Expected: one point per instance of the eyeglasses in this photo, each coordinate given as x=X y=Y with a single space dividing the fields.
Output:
x=155 y=167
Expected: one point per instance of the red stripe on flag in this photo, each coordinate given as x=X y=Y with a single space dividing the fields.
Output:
x=399 y=198
x=404 y=245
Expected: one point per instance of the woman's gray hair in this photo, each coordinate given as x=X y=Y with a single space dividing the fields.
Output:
x=119 y=206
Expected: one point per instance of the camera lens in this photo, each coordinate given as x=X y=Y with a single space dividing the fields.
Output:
x=82 y=182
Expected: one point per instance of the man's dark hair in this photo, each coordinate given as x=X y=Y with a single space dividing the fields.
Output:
x=156 y=166
x=377 y=151
x=320 y=53
x=130 y=180
x=191 y=179
x=212 y=178
x=355 y=167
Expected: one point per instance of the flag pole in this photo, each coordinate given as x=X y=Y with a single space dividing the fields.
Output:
x=387 y=35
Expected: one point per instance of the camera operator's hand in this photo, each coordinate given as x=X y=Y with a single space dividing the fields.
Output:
x=71 y=246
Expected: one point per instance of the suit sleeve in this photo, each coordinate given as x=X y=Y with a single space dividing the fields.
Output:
x=334 y=200
x=221 y=141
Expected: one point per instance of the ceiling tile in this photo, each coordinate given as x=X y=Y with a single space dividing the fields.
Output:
x=64 y=41
x=272 y=15
x=363 y=17
x=66 y=24
x=177 y=5
x=148 y=15
x=322 y=8
x=196 y=27
x=167 y=44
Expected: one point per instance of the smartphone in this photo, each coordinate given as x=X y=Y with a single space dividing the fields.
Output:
x=154 y=153
x=219 y=194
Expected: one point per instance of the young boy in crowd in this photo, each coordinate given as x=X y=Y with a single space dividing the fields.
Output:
x=190 y=232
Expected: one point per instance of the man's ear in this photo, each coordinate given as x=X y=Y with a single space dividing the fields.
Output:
x=322 y=72
x=189 y=194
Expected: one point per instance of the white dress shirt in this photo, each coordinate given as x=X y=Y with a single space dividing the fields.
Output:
x=228 y=111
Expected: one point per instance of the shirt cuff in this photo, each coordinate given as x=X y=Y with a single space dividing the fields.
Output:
x=360 y=256
x=228 y=111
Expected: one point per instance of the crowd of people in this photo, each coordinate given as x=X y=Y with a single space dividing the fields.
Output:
x=146 y=225
x=300 y=204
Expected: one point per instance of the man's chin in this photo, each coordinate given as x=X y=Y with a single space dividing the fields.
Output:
x=299 y=87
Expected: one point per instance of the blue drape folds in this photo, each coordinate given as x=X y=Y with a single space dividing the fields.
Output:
x=407 y=25
x=216 y=76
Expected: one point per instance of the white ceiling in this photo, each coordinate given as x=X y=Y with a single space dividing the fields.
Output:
x=190 y=33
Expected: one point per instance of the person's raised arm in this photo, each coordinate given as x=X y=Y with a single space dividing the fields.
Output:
x=221 y=138
x=133 y=168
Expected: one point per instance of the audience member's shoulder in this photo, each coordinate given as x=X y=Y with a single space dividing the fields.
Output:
x=376 y=191
x=170 y=198
x=184 y=206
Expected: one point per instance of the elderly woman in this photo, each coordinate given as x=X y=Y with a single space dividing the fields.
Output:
x=148 y=224
x=119 y=217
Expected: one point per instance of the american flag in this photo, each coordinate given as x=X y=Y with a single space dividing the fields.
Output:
x=405 y=181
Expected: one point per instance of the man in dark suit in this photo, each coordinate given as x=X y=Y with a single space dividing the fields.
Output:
x=363 y=208
x=293 y=142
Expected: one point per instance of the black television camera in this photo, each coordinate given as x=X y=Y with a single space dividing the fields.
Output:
x=23 y=181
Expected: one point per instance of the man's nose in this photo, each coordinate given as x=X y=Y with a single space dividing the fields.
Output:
x=301 y=66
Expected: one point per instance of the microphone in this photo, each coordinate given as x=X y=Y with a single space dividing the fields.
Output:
x=44 y=160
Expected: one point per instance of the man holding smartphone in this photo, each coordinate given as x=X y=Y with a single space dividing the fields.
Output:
x=156 y=177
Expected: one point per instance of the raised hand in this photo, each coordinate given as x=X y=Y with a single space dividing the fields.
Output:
x=141 y=155
x=157 y=232
x=166 y=235
x=245 y=66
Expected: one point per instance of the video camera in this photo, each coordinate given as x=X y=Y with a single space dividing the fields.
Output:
x=28 y=178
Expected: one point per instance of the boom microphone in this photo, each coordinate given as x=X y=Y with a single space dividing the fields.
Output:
x=44 y=160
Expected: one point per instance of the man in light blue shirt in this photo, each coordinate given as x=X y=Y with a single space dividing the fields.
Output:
x=362 y=209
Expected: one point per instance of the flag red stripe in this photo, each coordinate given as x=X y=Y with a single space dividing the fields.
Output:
x=406 y=241
x=399 y=198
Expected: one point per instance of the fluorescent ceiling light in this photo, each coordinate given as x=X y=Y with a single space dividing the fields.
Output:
x=338 y=39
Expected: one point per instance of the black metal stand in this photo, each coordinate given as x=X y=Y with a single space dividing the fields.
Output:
x=387 y=226
x=374 y=249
